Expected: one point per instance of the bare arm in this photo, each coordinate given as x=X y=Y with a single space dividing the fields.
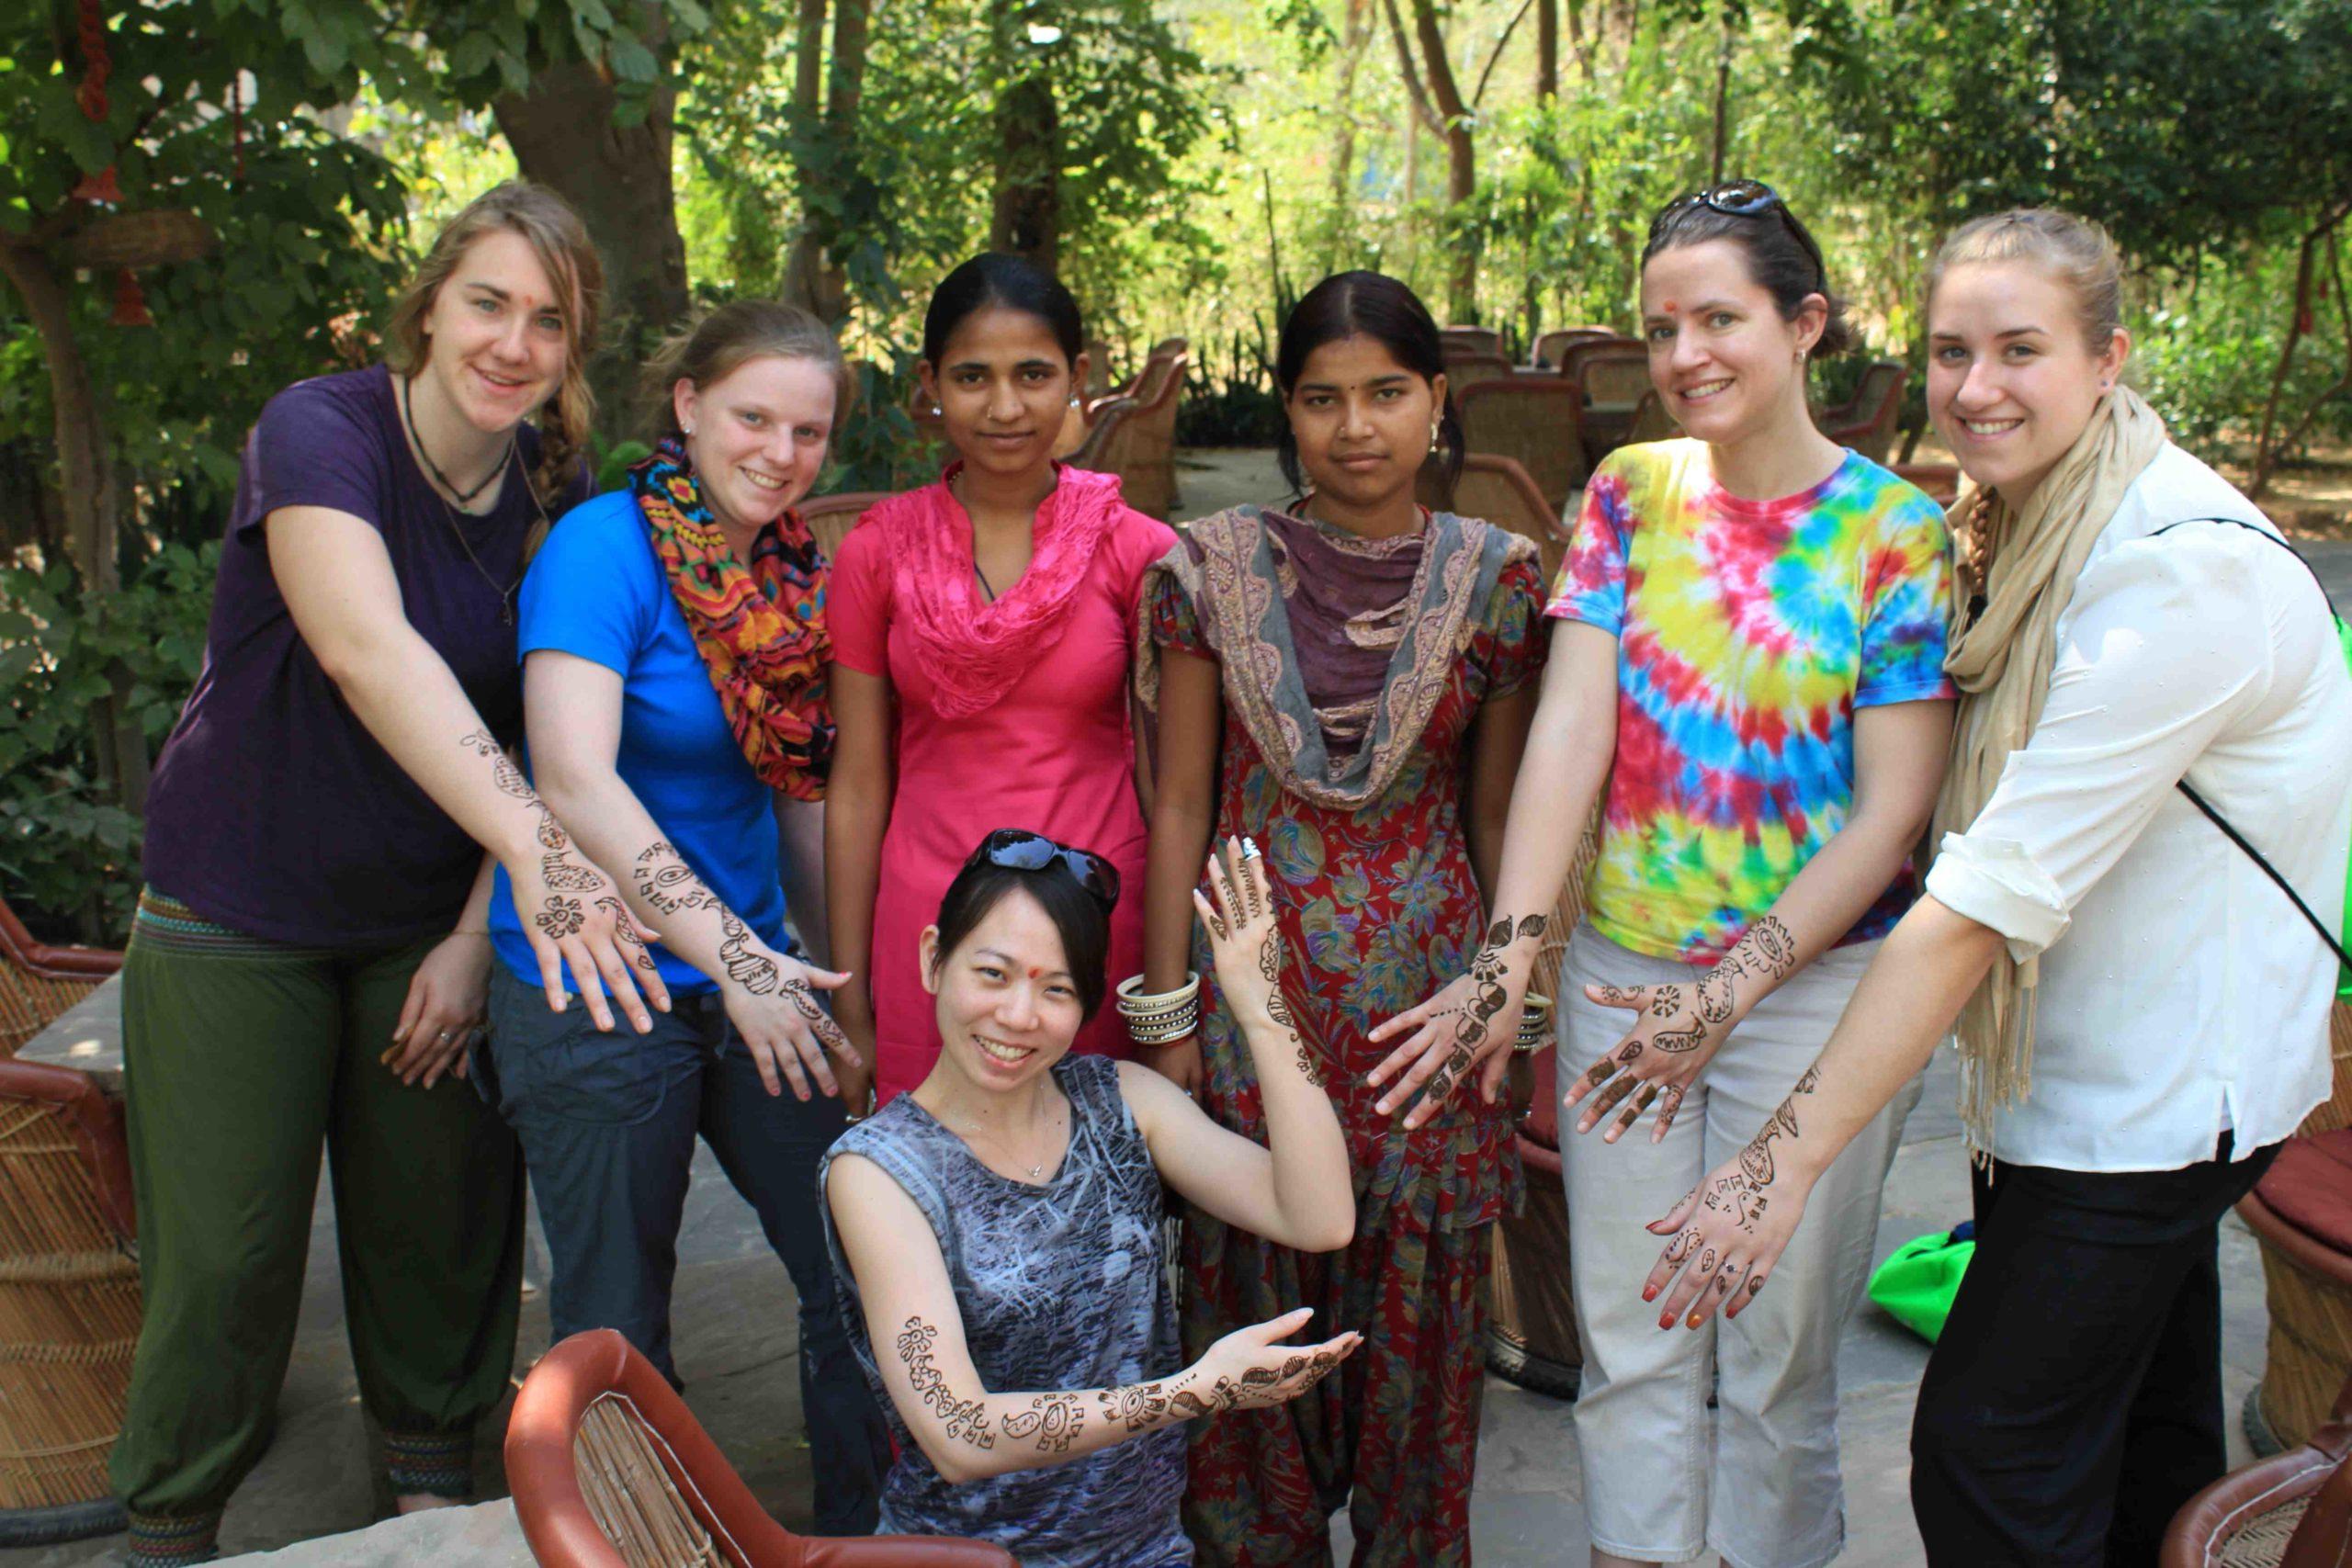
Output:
x=857 y=813
x=1498 y=744
x=1899 y=752
x=1568 y=752
x=1183 y=812
x=447 y=994
x=573 y=710
x=1732 y=1228
x=1296 y=1190
x=968 y=1431
x=340 y=589
x=800 y=830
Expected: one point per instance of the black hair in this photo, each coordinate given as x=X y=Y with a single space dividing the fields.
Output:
x=1373 y=305
x=993 y=278
x=1782 y=255
x=1083 y=923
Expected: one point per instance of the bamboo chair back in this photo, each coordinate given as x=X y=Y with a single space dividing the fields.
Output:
x=1148 y=478
x=1466 y=367
x=1478 y=340
x=830 y=517
x=1573 y=356
x=1551 y=348
x=1500 y=491
x=1613 y=375
x=1869 y=422
x=69 y=1286
x=38 y=982
x=1651 y=422
x=1535 y=420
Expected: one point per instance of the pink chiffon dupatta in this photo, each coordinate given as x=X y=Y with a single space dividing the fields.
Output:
x=972 y=650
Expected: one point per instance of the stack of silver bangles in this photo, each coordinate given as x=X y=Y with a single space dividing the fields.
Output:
x=1164 y=1019
x=1535 y=1025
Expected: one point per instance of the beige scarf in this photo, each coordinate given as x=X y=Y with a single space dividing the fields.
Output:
x=2001 y=660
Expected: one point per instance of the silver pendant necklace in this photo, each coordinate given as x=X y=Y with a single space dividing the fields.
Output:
x=514 y=456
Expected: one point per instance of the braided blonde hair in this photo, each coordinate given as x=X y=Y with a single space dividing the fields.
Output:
x=559 y=241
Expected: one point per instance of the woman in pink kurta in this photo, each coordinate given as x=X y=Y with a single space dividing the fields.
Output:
x=982 y=631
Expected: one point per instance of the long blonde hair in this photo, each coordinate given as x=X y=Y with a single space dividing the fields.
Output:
x=560 y=241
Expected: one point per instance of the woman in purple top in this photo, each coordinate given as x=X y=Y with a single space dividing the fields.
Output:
x=310 y=955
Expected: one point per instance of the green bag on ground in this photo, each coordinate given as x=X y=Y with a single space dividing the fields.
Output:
x=1918 y=1283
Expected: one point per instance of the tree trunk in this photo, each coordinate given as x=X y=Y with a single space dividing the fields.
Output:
x=92 y=500
x=1723 y=96
x=1027 y=216
x=1338 y=237
x=824 y=101
x=1461 y=169
x=1548 y=48
x=618 y=178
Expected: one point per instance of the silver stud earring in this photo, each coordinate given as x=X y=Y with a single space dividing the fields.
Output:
x=689 y=430
x=935 y=411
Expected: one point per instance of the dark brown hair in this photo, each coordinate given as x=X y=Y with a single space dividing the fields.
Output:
x=1373 y=305
x=1783 y=256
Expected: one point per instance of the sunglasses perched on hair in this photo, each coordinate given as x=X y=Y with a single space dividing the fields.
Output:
x=1745 y=199
x=1017 y=848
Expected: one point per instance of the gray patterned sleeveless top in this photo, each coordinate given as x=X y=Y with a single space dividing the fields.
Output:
x=1060 y=1286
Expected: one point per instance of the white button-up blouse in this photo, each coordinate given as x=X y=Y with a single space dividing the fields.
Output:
x=2181 y=994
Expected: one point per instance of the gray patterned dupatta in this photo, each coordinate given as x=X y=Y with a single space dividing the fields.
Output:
x=1337 y=711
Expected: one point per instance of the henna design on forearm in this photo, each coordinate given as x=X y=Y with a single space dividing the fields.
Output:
x=1054 y=1420
x=1716 y=999
x=967 y=1420
x=1488 y=996
x=665 y=881
x=755 y=972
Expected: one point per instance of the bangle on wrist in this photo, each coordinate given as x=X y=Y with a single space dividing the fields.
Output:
x=1535 y=1025
x=1160 y=1018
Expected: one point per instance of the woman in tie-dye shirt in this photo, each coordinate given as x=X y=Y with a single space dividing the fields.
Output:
x=1750 y=654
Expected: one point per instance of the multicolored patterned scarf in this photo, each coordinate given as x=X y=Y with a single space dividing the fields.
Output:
x=973 y=651
x=761 y=631
x=1335 y=649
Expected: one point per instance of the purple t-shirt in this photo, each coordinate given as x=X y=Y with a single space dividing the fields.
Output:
x=272 y=810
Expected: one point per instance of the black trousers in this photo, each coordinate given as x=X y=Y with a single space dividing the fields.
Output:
x=2074 y=1401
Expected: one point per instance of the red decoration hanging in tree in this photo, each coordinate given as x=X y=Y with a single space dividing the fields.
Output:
x=129 y=303
x=97 y=65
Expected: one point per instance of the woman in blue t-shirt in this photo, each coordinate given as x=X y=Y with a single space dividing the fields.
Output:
x=674 y=650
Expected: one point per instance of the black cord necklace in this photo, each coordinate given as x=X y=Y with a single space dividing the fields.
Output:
x=505 y=592
x=408 y=417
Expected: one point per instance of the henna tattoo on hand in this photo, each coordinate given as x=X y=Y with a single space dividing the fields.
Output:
x=666 y=882
x=1754 y=1283
x=561 y=918
x=1707 y=1261
x=1679 y=1039
x=1602 y=1071
x=1533 y=926
x=1682 y=1245
x=1631 y=1052
x=1665 y=1002
x=1054 y=1420
x=1135 y=1407
x=1737 y=1198
x=755 y=972
x=1613 y=996
x=1810 y=1081
x=1250 y=892
x=1269 y=956
x=967 y=1420
x=1716 y=999
x=1668 y=1103
x=482 y=743
x=625 y=933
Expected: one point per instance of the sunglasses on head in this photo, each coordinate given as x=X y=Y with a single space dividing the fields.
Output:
x=1745 y=199
x=1017 y=848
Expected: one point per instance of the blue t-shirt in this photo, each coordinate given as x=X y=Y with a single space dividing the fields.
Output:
x=597 y=590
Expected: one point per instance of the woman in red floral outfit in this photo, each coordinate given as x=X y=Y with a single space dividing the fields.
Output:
x=1349 y=680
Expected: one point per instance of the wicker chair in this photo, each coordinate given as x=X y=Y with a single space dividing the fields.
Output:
x=2306 y=1260
x=1149 y=476
x=69 y=1301
x=1551 y=346
x=1498 y=490
x=1613 y=377
x=1479 y=340
x=830 y=517
x=2292 y=1510
x=1535 y=420
x=1868 y=421
x=1466 y=367
x=38 y=982
x=1651 y=422
x=610 y=1470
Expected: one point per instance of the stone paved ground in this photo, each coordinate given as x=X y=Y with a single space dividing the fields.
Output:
x=735 y=1341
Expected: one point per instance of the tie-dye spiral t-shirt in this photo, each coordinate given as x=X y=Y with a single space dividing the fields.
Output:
x=1747 y=632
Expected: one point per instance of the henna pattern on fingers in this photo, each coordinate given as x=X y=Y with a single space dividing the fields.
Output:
x=1682 y=1245
x=754 y=972
x=1669 y=1103
x=967 y=1420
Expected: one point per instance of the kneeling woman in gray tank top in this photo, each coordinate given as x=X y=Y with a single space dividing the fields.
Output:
x=997 y=1231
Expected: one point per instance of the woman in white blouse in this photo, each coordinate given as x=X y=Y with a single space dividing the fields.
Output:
x=2142 y=1012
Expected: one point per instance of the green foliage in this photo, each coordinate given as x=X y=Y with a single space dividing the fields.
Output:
x=66 y=849
x=2204 y=354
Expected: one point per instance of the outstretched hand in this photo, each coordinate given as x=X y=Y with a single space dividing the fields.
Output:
x=1677 y=1031
x=1465 y=1028
x=1245 y=940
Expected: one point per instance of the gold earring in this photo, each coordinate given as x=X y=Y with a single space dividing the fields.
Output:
x=1436 y=435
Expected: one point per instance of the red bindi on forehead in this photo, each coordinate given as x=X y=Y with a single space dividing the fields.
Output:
x=1672 y=309
x=1036 y=974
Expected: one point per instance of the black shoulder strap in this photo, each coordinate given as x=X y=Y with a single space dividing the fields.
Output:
x=2204 y=806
